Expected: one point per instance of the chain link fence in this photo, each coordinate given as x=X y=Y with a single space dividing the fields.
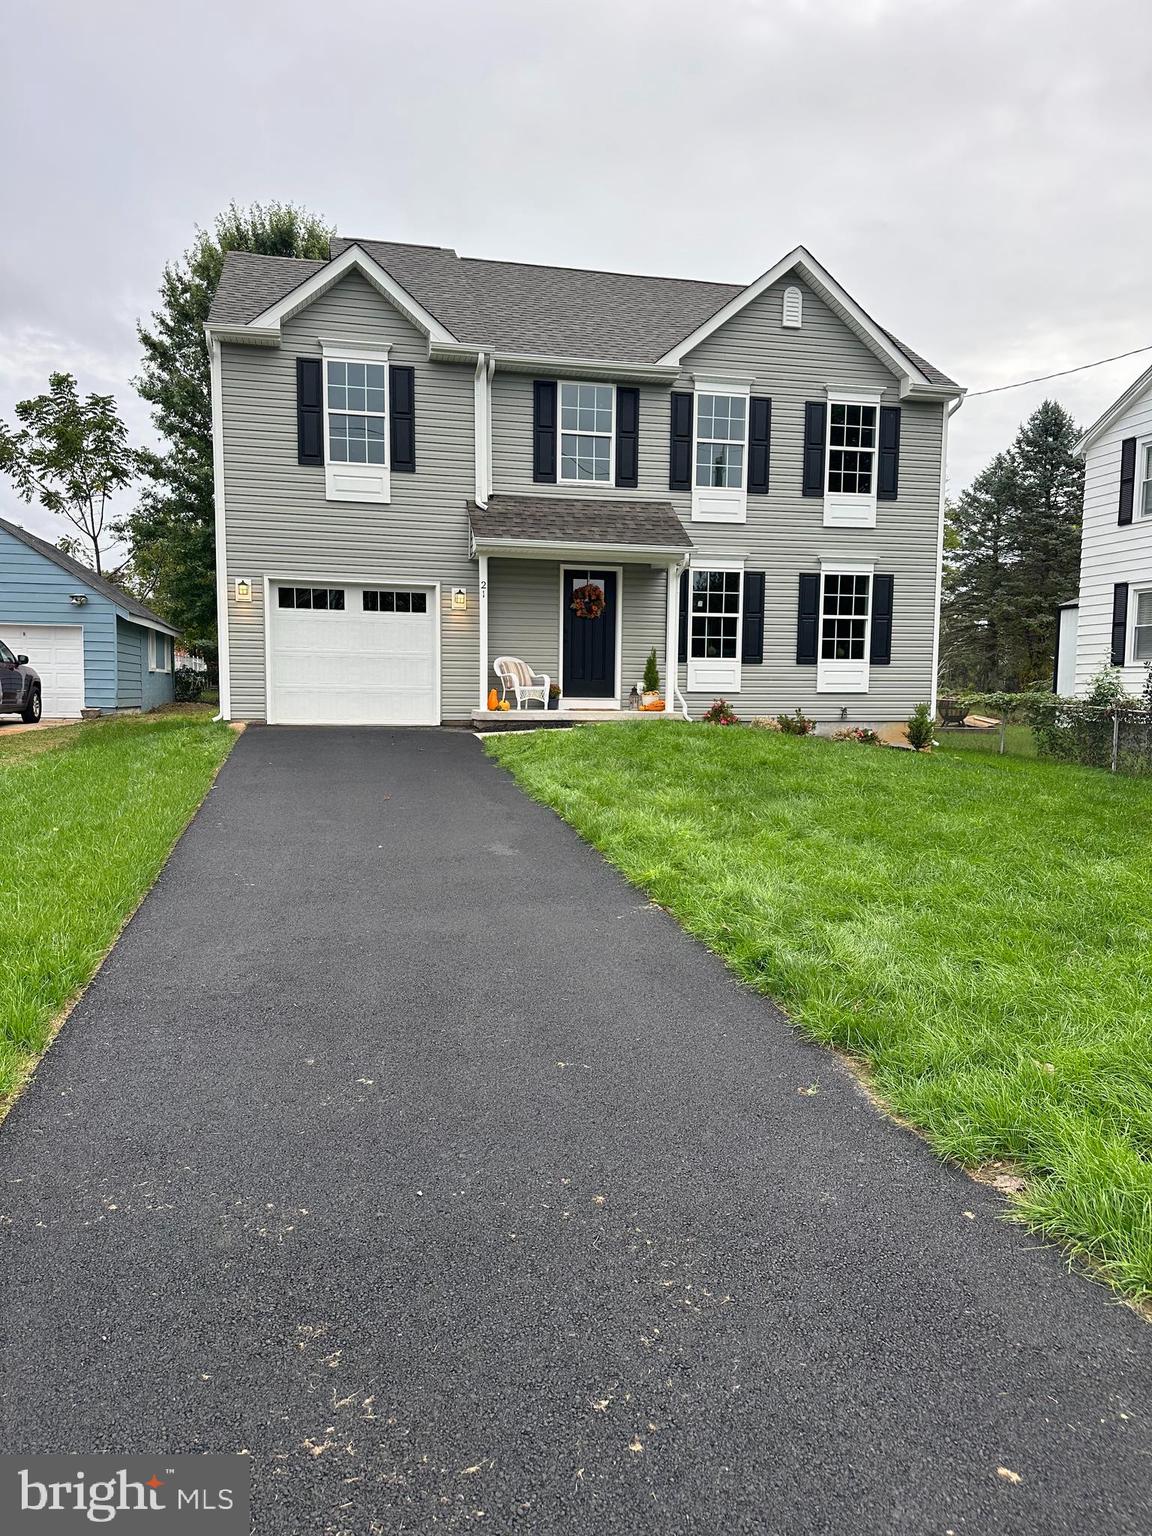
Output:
x=1114 y=735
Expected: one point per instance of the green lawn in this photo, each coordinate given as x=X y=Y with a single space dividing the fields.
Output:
x=979 y=930
x=90 y=813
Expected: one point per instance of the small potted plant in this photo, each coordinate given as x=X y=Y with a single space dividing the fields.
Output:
x=553 y=695
x=651 y=690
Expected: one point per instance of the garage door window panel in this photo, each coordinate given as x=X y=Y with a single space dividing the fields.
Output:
x=395 y=602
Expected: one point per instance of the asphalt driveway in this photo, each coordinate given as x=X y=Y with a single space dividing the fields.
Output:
x=401 y=1144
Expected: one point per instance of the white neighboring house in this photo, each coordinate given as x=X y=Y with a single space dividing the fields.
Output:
x=1112 y=623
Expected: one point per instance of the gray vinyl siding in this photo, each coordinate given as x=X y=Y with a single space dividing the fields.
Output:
x=524 y=616
x=280 y=524
x=784 y=534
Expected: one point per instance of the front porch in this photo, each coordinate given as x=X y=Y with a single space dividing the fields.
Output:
x=580 y=592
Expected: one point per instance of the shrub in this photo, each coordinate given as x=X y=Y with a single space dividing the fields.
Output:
x=920 y=727
x=797 y=724
x=651 y=673
x=862 y=733
x=188 y=685
x=720 y=712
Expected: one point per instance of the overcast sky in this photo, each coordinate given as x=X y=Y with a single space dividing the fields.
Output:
x=977 y=173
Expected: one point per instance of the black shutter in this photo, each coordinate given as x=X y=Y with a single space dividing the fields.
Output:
x=880 y=652
x=627 y=438
x=309 y=410
x=808 y=619
x=402 y=402
x=815 y=424
x=752 y=640
x=888 y=458
x=544 y=431
x=1127 y=479
x=1119 y=622
x=759 y=444
x=685 y=578
x=680 y=453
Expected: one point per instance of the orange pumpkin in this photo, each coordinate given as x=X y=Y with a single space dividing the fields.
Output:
x=493 y=699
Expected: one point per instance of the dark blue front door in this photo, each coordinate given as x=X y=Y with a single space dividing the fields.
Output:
x=589 y=644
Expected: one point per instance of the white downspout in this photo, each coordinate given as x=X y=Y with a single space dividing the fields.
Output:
x=480 y=428
x=672 y=641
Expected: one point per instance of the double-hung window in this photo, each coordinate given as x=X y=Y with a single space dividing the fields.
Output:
x=845 y=629
x=356 y=422
x=720 y=459
x=587 y=423
x=1141 y=646
x=715 y=615
x=850 y=471
x=1144 y=481
x=159 y=656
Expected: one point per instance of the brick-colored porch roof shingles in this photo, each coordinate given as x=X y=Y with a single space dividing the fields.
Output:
x=572 y=520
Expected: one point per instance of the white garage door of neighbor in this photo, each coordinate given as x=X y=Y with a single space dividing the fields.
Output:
x=343 y=655
x=56 y=652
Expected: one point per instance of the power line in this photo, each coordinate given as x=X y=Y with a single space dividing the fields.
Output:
x=1064 y=372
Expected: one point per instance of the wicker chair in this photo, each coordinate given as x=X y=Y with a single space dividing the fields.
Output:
x=518 y=678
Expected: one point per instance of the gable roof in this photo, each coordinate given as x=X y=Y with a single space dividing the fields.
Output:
x=519 y=308
x=1114 y=412
x=131 y=606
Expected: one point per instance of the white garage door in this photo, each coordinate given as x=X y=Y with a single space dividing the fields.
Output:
x=56 y=652
x=343 y=655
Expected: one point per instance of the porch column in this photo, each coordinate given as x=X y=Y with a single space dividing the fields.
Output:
x=672 y=639
x=483 y=561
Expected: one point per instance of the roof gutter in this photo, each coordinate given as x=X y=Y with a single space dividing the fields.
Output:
x=536 y=362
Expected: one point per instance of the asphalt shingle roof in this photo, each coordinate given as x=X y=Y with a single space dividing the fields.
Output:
x=86 y=577
x=550 y=519
x=514 y=306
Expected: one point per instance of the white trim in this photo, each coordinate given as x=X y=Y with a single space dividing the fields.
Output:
x=717 y=674
x=481 y=419
x=939 y=589
x=672 y=637
x=576 y=554
x=826 y=286
x=485 y=686
x=360 y=583
x=720 y=503
x=852 y=676
x=561 y=478
x=353 y=256
x=597 y=703
x=1143 y=458
x=851 y=509
x=1135 y=592
x=1114 y=412
x=595 y=370
x=345 y=481
x=222 y=632
x=164 y=665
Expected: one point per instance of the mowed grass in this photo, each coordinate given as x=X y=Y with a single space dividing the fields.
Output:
x=88 y=814
x=979 y=930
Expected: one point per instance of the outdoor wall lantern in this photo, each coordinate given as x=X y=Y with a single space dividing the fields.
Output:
x=243 y=590
x=459 y=599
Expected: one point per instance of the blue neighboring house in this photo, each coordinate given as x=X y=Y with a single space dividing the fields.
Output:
x=93 y=645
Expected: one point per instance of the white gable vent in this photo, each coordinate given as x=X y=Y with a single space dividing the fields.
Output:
x=793 y=308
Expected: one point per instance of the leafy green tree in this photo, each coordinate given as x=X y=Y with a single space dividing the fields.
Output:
x=1012 y=555
x=172 y=532
x=72 y=455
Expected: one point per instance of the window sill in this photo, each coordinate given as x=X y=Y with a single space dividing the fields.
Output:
x=849 y=511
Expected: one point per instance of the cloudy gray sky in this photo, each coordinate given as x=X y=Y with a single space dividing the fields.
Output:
x=975 y=172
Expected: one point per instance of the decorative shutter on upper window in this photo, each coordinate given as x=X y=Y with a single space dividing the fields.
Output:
x=752 y=640
x=627 y=438
x=1127 y=479
x=880 y=650
x=680 y=447
x=1119 y=623
x=759 y=444
x=402 y=404
x=808 y=619
x=309 y=410
x=544 y=431
x=685 y=580
x=815 y=427
x=888 y=456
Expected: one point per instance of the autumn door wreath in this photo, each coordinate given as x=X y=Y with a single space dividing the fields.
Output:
x=588 y=601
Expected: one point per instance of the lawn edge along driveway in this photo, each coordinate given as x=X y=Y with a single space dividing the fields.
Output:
x=91 y=817
x=974 y=930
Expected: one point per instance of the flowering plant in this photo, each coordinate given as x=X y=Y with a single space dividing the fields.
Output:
x=857 y=733
x=720 y=712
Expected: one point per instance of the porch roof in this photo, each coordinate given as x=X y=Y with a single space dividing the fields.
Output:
x=556 y=522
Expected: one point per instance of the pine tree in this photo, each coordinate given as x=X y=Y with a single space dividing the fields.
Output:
x=974 y=615
x=172 y=533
